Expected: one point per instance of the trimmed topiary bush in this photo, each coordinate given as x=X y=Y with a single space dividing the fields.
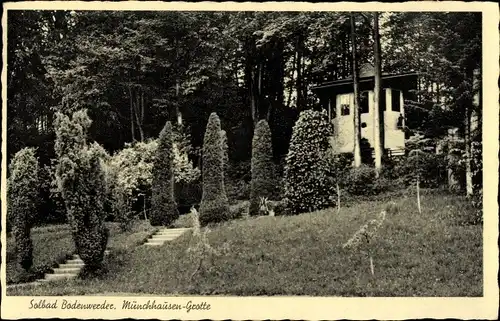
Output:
x=81 y=182
x=92 y=238
x=22 y=202
x=214 y=202
x=309 y=179
x=163 y=206
x=263 y=183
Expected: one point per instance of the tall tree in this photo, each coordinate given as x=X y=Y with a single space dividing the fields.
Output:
x=357 y=133
x=378 y=115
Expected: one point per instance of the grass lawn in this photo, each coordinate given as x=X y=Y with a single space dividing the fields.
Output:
x=53 y=244
x=428 y=254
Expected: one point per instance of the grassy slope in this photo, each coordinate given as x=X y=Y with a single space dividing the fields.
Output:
x=53 y=244
x=49 y=248
x=414 y=255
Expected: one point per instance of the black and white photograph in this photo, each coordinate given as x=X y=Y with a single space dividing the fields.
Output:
x=242 y=153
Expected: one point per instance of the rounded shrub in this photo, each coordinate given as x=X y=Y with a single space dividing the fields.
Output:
x=214 y=202
x=359 y=181
x=263 y=183
x=309 y=178
x=22 y=202
x=81 y=183
x=163 y=206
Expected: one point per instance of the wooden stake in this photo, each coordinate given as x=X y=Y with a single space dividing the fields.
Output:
x=338 y=198
x=372 y=269
x=418 y=195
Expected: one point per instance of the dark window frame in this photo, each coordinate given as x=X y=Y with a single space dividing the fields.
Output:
x=397 y=106
x=345 y=109
x=364 y=102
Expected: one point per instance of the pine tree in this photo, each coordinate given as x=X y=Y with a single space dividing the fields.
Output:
x=214 y=203
x=164 y=208
x=263 y=183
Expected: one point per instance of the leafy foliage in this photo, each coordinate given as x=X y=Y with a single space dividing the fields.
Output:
x=360 y=181
x=214 y=203
x=164 y=209
x=22 y=202
x=263 y=180
x=81 y=182
x=309 y=181
x=132 y=169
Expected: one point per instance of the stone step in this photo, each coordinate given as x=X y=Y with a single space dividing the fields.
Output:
x=156 y=241
x=170 y=233
x=71 y=270
x=71 y=265
x=153 y=244
x=173 y=230
x=52 y=277
x=80 y=261
x=164 y=237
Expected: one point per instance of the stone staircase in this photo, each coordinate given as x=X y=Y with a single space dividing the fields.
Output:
x=164 y=235
x=72 y=267
x=67 y=270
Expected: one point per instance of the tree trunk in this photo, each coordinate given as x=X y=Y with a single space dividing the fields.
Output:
x=305 y=76
x=298 y=84
x=357 y=138
x=250 y=81
x=178 y=113
x=438 y=93
x=469 y=123
x=259 y=81
x=253 y=100
x=137 y=112
x=453 y=142
x=138 y=120
x=132 y=126
x=290 y=88
x=142 y=107
x=377 y=112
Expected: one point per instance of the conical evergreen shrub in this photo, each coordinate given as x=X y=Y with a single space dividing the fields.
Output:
x=263 y=180
x=309 y=178
x=22 y=202
x=80 y=180
x=214 y=202
x=163 y=206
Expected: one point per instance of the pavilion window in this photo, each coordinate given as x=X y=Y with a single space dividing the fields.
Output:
x=363 y=101
x=345 y=105
x=396 y=100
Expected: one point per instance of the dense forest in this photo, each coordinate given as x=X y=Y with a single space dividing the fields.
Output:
x=133 y=71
